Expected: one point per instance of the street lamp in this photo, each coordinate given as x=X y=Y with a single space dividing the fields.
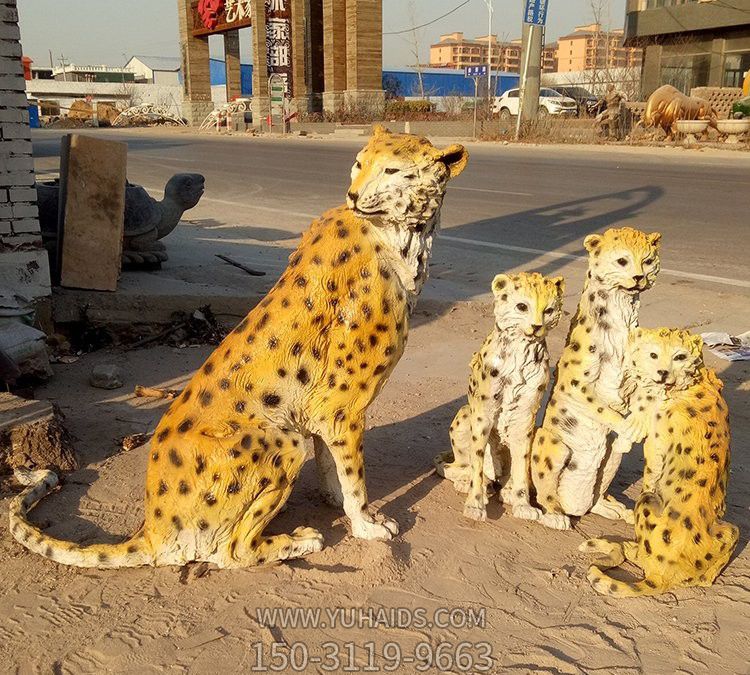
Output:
x=490 y=10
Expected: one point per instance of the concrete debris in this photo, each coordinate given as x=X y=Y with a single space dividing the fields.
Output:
x=106 y=376
x=26 y=347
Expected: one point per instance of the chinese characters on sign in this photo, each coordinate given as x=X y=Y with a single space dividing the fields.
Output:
x=536 y=12
x=237 y=10
x=219 y=16
x=279 y=41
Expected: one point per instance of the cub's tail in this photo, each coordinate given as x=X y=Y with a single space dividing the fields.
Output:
x=131 y=553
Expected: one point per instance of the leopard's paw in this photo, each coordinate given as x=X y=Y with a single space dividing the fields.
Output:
x=377 y=528
x=556 y=521
x=526 y=512
x=475 y=513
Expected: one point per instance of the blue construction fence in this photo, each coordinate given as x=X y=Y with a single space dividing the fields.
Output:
x=436 y=81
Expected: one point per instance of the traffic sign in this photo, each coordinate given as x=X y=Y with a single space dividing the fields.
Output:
x=536 y=12
x=476 y=71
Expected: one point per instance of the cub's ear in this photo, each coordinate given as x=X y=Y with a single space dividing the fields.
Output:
x=654 y=238
x=560 y=283
x=696 y=344
x=500 y=283
x=380 y=130
x=635 y=335
x=455 y=157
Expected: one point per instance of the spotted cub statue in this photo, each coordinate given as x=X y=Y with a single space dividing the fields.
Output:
x=676 y=403
x=572 y=464
x=491 y=435
x=306 y=362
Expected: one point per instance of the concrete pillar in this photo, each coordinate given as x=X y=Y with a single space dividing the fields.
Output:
x=335 y=53
x=261 y=98
x=531 y=61
x=195 y=68
x=232 y=64
x=315 y=57
x=301 y=84
x=651 y=73
x=364 y=53
x=716 y=72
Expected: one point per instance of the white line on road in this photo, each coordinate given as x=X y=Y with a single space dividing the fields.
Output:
x=570 y=256
x=495 y=192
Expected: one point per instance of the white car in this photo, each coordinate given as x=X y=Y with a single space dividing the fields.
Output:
x=551 y=102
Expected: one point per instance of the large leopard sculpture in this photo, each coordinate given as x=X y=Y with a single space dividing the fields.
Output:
x=306 y=362
x=491 y=435
x=572 y=461
x=680 y=537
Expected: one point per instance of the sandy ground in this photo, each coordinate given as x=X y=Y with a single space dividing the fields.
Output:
x=541 y=615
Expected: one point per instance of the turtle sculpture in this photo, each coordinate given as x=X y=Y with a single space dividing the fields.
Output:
x=667 y=105
x=146 y=220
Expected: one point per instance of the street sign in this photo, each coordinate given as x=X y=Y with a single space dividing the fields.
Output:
x=536 y=12
x=476 y=71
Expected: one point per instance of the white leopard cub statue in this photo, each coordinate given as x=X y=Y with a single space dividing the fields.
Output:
x=492 y=434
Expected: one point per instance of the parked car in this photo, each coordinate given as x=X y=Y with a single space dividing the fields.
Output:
x=588 y=104
x=551 y=102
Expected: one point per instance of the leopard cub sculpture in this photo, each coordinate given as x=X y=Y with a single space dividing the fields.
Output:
x=676 y=403
x=306 y=362
x=491 y=435
x=572 y=463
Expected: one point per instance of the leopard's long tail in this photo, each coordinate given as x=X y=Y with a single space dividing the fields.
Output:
x=130 y=553
x=613 y=554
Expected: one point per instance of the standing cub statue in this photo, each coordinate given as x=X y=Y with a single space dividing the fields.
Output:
x=307 y=361
x=571 y=466
x=680 y=538
x=491 y=435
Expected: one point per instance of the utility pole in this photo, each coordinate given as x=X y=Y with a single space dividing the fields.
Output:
x=531 y=75
x=490 y=93
x=63 y=64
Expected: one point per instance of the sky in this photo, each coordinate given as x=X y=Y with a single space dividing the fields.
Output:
x=110 y=31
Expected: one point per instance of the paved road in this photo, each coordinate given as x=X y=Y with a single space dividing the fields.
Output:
x=518 y=199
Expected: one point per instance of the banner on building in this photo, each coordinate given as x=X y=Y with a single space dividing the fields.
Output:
x=219 y=16
x=279 y=42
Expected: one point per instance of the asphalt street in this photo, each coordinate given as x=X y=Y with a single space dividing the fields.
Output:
x=524 y=200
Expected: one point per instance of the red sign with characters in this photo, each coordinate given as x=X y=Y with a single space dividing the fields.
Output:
x=220 y=16
x=209 y=11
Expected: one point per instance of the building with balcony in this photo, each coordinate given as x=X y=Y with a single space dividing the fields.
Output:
x=591 y=48
x=690 y=43
x=458 y=52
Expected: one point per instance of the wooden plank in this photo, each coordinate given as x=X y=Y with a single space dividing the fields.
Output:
x=94 y=172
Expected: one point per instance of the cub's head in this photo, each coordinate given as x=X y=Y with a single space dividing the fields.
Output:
x=401 y=179
x=528 y=302
x=668 y=357
x=624 y=258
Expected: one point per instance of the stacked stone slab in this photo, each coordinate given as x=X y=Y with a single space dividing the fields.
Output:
x=24 y=267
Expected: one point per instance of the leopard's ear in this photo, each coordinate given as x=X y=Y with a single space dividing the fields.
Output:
x=500 y=283
x=696 y=344
x=455 y=157
x=654 y=238
x=592 y=242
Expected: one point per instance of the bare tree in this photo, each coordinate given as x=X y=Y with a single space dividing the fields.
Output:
x=414 y=44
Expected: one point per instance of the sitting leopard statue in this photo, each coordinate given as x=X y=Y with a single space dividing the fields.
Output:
x=306 y=362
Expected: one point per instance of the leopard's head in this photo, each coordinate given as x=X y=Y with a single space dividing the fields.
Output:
x=669 y=358
x=401 y=179
x=624 y=258
x=528 y=302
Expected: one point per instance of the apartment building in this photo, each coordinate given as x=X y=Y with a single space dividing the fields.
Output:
x=590 y=47
x=455 y=51
x=690 y=43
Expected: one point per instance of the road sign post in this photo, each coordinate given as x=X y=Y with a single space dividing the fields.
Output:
x=534 y=19
x=475 y=73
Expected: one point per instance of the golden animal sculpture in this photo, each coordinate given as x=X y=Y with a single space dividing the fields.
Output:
x=667 y=105
x=676 y=403
x=307 y=361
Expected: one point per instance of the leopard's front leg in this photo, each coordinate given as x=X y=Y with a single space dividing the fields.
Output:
x=481 y=425
x=344 y=440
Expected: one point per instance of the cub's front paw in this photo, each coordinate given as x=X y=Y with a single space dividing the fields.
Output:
x=475 y=513
x=377 y=528
x=526 y=512
x=556 y=521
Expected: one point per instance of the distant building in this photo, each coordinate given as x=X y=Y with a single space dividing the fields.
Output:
x=690 y=43
x=71 y=72
x=156 y=69
x=457 y=52
x=591 y=48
